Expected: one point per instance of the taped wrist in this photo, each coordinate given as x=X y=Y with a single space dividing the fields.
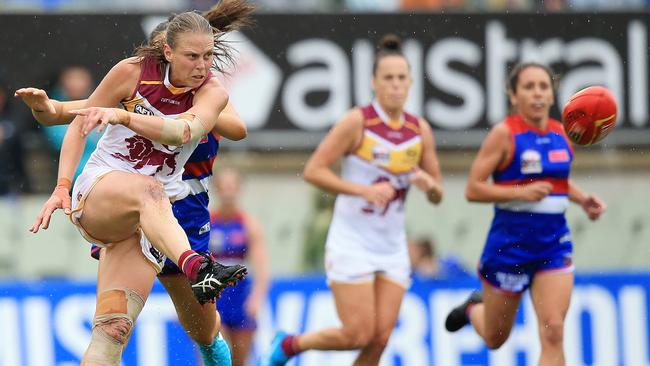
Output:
x=123 y=117
x=187 y=127
x=63 y=183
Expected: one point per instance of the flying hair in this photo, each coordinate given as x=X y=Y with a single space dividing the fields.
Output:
x=224 y=17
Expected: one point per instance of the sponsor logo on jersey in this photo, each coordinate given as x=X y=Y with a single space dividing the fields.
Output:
x=531 y=162
x=397 y=135
x=170 y=101
x=558 y=156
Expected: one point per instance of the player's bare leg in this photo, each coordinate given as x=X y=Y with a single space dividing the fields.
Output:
x=122 y=203
x=494 y=317
x=241 y=342
x=551 y=295
x=388 y=299
x=124 y=280
x=355 y=305
x=201 y=322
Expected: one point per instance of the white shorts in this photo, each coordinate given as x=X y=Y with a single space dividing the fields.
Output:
x=82 y=187
x=356 y=266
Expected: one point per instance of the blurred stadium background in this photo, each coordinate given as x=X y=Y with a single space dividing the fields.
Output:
x=299 y=69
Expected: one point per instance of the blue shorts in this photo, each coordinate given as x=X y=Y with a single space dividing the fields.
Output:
x=231 y=307
x=520 y=245
x=194 y=218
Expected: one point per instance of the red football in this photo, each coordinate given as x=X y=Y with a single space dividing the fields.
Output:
x=590 y=115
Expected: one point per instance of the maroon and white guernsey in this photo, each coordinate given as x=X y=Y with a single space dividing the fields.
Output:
x=122 y=149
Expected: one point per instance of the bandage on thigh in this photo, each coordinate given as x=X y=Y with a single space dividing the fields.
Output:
x=116 y=313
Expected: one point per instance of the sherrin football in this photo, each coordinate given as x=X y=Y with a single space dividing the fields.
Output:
x=590 y=115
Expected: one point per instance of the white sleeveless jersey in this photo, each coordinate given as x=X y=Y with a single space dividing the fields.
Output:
x=122 y=149
x=390 y=151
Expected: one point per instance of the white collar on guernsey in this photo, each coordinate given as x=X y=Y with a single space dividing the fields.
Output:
x=168 y=84
x=383 y=115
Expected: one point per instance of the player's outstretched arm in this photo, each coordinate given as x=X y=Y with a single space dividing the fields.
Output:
x=46 y=111
x=51 y=112
x=209 y=101
x=116 y=86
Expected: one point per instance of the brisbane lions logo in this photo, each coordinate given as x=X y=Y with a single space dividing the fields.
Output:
x=399 y=198
x=142 y=152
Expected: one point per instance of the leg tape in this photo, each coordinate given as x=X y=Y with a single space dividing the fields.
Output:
x=117 y=310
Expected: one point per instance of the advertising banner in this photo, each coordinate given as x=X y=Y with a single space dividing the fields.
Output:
x=297 y=74
x=48 y=323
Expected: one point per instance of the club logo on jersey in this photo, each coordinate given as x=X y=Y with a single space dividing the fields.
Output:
x=140 y=109
x=143 y=153
x=558 y=156
x=531 y=162
x=380 y=155
x=399 y=199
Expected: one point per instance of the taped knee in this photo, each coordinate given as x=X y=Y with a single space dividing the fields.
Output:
x=116 y=312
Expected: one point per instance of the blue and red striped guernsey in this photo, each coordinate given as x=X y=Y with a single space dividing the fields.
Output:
x=198 y=169
x=537 y=155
